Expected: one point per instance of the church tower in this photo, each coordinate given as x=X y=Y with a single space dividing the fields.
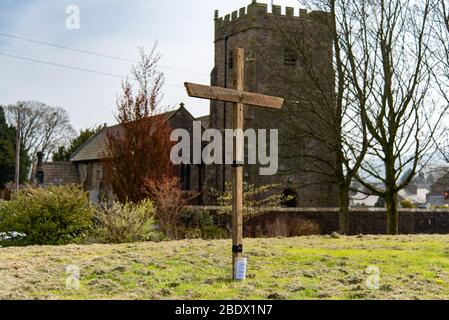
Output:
x=273 y=68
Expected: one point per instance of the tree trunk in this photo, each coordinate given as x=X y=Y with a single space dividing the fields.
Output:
x=344 y=209
x=391 y=200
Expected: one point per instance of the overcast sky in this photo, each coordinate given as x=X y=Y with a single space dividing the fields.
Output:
x=183 y=28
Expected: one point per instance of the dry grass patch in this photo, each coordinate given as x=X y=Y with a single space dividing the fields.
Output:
x=412 y=267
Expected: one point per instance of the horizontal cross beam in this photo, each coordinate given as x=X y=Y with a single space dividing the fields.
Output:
x=231 y=95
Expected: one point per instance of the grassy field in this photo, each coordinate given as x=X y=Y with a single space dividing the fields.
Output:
x=412 y=267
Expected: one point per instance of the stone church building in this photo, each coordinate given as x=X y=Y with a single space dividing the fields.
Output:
x=271 y=68
x=85 y=166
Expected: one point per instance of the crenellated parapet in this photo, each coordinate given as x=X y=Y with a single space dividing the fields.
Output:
x=257 y=15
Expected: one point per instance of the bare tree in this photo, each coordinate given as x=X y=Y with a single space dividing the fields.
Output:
x=387 y=44
x=43 y=128
x=439 y=64
x=384 y=102
x=139 y=150
x=324 y=126
x=440 y=28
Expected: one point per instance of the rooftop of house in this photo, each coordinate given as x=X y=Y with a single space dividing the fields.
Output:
x=95 y=148
x=361 y=199
x=436 y=201
x=418 y=198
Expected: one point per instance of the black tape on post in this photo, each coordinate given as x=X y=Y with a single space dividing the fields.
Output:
x=237 y=164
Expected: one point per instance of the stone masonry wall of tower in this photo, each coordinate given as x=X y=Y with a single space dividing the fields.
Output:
x=269 y=71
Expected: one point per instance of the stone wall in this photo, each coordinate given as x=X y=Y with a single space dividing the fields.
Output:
x=311 y=221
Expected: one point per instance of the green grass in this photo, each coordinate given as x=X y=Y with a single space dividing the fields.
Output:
x=412 y=267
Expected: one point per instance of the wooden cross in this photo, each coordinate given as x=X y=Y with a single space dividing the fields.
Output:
x=239 y=97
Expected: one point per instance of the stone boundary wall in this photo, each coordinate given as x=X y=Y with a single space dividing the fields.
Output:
x=290 y=222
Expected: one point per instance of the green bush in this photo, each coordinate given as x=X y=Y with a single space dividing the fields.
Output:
x=126 y=223
x=256 y=199
x=50 y=216
x=201 y=224
x=407 y=204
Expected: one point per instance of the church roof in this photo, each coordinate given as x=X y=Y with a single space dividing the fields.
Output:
x=95 y=148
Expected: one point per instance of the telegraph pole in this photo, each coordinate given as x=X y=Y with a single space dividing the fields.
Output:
x=18 y=147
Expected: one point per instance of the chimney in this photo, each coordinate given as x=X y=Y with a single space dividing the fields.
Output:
x=39 y=168
x=40 y=158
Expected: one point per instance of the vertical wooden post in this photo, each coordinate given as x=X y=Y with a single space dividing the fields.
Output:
x=238 y=97
x=18 y=147
x=237 y=205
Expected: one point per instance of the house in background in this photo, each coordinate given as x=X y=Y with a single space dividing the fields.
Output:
x=85 y=166
x=5 y=191
x=55 y=173
x=418 y=197
x=425 y=191
x=437 y=196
